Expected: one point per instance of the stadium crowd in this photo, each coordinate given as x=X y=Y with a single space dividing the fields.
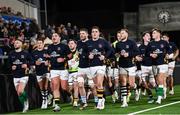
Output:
x=67 y=58
x=9 y=11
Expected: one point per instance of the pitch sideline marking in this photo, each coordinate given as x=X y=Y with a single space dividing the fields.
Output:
x=134 y=113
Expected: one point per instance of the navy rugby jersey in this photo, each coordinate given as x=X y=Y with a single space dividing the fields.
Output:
x=173 y=48
x=17 y=59
x=58 y=51
x=83 y=54
x=129 y=47
x=98 y=47
x=42 y=57
x=146 y=61
x=161 y=48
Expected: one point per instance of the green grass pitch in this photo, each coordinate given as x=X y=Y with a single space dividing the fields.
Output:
x=111 y=108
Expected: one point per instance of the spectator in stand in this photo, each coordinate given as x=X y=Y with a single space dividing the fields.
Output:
x=48 y=31
x=33 y=32
x=1 y=28
x=11 y=30
x=19 y=14
x=10 y=11
x=75 y=33
x=64 y=34
x=25 y=30
x=33 y=28
x=69 y=29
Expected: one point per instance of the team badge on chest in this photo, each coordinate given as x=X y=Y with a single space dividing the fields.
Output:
x=22 y=56
x=127 y=46
x=58 y=48
x=162 y=46
x=100 y=45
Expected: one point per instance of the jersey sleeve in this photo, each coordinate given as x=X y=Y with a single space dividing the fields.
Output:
x=135 y=50
x=108 y=49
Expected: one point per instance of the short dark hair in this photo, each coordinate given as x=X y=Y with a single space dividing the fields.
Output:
x=96 y=27
x=72 y=40
x=20 y=39
x=40 y=39
x=166 y=34
x=84 y=29
x=144 y=33
x=119 y=31
x=124 y=29
x=157 y=30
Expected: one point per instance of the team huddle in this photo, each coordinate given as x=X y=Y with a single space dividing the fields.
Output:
x=124 y=66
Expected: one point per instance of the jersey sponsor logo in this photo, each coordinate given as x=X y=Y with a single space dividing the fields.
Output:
x=96 y=52
x=143 y=49
x=54 y=54
x=157 y=51
x=40 y=60
x=17 y=62
x=90 y=46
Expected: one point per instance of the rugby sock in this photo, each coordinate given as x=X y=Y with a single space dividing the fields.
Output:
x=138 y=86
x=135 y=86
x=44 y=94
x=111 y=89
x=160 y=90
x=142 y=88
x=128 y=88
x=149 y=92
x=23 y=97
x=96 y=100
x=116 y=88
x=56 y=101
x=100 y=93
x=104 y=95
x=83 y=99
x=123 y=90
x=75 y=99
x=164 y=92
x=164 y=89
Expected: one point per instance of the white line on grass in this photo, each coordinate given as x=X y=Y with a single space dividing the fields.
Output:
x=134 y=113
